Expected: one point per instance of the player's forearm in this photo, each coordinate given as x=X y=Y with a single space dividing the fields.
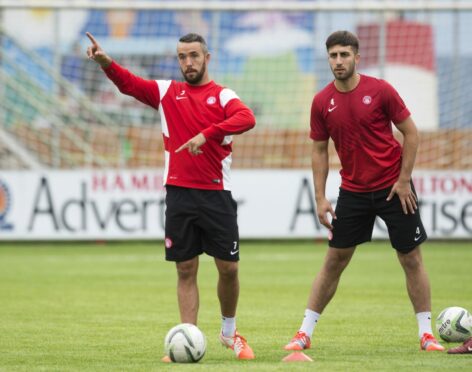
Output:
x=125 y=81
x=320 y=167
x=410 y=147
x=143 y=90
x=239 y=122
x=104 y=62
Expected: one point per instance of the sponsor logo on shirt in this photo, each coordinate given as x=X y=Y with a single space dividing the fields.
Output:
x=332 y=106
x=181 y=96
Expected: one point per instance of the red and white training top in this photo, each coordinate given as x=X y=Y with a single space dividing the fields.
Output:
x=187 y=110
x=360 y=124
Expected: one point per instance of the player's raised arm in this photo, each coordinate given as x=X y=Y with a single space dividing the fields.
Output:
x=96 y=53
x=143 y=90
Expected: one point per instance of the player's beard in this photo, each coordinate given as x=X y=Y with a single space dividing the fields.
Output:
x=198 y=75
x=346 y=74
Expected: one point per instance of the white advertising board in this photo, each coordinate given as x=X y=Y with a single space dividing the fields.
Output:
x=81 y=205
x=280 y=204
x=125 y=204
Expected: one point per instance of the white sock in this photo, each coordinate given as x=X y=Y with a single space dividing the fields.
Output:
x=309 y=322
x=228 y=326
x=424 y=323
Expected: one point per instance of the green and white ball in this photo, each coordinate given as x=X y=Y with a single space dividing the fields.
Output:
x=454 y=324
x=185 y=343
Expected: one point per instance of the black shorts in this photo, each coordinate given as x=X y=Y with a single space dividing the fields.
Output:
x=200 y=221
x=356 y=214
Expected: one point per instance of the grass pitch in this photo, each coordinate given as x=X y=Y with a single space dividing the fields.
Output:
x=107 y=307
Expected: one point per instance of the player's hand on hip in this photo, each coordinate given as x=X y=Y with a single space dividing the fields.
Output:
x=323 y=208
x=96 y=53
x=406 y=195
x=193 y=145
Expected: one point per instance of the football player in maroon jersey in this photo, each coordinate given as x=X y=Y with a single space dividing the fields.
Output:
x=356 y=112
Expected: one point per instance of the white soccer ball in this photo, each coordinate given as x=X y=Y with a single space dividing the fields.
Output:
x=454 y=324
x=185 y=343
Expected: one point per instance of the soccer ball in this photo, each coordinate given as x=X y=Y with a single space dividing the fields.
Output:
x=454 y=324
x=185 y=343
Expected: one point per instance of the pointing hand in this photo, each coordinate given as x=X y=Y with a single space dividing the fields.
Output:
x=193 y=145
x=96 y=53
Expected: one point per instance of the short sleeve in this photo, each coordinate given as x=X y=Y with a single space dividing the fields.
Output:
x=318 y=130
x=396 y=109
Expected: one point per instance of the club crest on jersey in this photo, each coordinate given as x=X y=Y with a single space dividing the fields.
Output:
x=211 y=100
x=367 y=100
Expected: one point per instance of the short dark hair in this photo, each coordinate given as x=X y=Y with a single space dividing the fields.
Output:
x=344 y=38
x=192 y=38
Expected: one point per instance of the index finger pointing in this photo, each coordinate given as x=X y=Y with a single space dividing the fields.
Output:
x=185 y=145
x=92 y=39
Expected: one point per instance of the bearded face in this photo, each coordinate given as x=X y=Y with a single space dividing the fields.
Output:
x=342 y=61
x=193 y=62
x=192 y=75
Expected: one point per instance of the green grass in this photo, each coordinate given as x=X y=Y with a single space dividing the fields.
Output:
x=92 y=307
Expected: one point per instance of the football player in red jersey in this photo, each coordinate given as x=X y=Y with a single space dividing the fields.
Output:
x=198 y=120
x=357 y=111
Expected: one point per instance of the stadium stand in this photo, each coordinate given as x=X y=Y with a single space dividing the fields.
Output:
x=64 y=114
